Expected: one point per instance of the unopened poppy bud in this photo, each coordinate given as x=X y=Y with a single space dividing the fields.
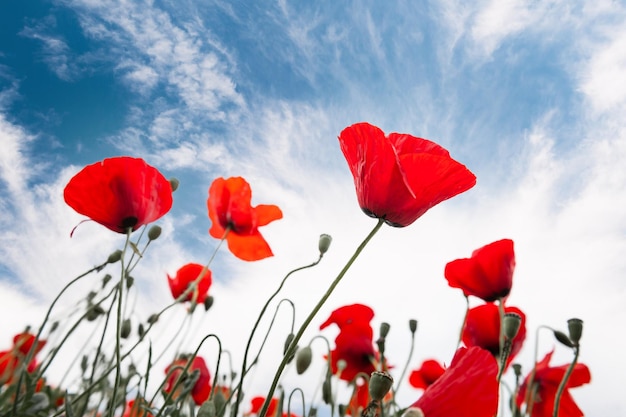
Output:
x=327 y=391
x=324 y=243
x=413 y=412
x=125 y=330
x=114 y=257
x=511 y=324
x=342 y=408
x=303 y=359
x=174 y=183
x=153 y=318
x=84 y=362
x=341 y=365
x=55 y=325
x=517 y=369
x=208 y=302
x=575 y=327
x=381 y=344
x=312 y=412
x=141 y=330
x=563 y=338
x=384 y=329
x=220 y=402
x=207 y=409
x=129 y=281
x=93 y=312
x=154 y=232
x=288 y=341
x=380 y=384
x=105 y=280
x=413 y=325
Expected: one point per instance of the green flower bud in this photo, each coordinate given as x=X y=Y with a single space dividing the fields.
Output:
x=303 y=359
x=174 y=183
x=324 y=243
x=208 y=302
x=93 y=312
x=342 y=408
x=517 y=369
x=84 y=362
x=55 y=325
x=312 y=412
x=207 y=409
x=384 y=329
x=105 y=280
x=413 y=325
x=380 y=384
x=511 y=325
x=341 y=365
x=563 y=338
x=327 y=391
x=125 y=330
x=114 y=257
x=140 y=330
x=129 y=281
x=153 y=318
x=575 y=327
x=154 y=232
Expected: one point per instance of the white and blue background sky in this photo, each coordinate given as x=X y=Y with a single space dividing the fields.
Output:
x=531 y=96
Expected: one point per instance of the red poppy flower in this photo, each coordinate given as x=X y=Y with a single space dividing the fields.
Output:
x=350 y=315
x=399 y=177
x=23 y=342
x=120 y=193
x=202 y=387
x=272 y=410
x=482 y=329
x=545 y=385
x=427 y=374
x=488 y=274
x=468 y=388
x=230 y=208
x=185 y=276
x=134 y=408
x=359 y=400
x=354 y=343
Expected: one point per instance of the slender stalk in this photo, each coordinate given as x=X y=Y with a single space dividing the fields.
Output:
x=244 y=369
x=118 y=330
x=563 y=384
x=294 y=343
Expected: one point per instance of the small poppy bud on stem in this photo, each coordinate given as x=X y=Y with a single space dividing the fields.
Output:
x=114 y=257
x=154 y=232
x=575 y=327
x=563 y=338
x=413 y=325
x=303 y=359
x=327 y=392
x=208 y=302
x=380 y=384
x=384 y=329
x=511 y=323
x=153 y=318
x=324 y=243
x=174 y=183
x=125 y=330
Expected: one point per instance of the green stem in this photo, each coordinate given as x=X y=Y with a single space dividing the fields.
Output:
x=563 y=384
x=118 y=330
x=294 y=343
x=256 y=325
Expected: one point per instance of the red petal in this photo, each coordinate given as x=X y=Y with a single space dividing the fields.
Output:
x=250 y=247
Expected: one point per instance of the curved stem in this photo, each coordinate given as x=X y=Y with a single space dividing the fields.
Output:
x=563 y=384
x=406 y=365
x=254 y=328
x=320 y=303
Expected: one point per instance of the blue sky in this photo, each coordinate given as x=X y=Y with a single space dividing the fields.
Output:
x=529 y=95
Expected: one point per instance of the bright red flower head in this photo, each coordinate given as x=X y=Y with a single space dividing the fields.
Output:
x=468 y=388
x=399 y=177
x=272 y=410
x=482 y=328
x=545 y=385
x=230 y=207
x=120 y=193
x=24 y=342
x=427 y=374
x=202 y=387
x=135 y=408
x=350 y=315
x=185 y=276
x=354 y=343
x=488 y=274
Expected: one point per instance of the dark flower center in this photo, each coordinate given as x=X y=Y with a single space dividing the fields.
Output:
x=129 y=222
